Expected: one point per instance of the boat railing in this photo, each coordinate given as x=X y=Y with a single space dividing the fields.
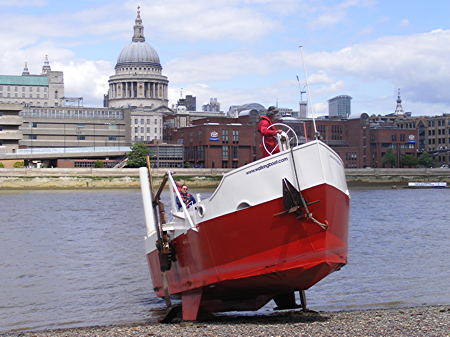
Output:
x=174 y=196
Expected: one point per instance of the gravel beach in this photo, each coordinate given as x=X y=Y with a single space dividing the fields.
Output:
x=416 y=321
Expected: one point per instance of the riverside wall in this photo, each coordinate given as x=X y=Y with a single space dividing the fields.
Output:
x=87 y=178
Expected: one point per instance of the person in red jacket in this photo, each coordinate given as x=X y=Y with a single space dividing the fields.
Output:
x=269 y=139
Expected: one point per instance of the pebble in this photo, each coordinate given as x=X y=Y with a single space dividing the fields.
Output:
x=416 y=321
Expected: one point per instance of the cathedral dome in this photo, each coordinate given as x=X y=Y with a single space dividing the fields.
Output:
x=138 y=52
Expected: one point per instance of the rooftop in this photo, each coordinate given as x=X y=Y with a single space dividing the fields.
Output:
x=23 y=80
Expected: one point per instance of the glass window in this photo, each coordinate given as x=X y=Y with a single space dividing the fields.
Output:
x=225 y=152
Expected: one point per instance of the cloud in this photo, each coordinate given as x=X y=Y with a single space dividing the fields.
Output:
x=404 y=22
x=332 y=15
x=206 y=20
x=419 y=63
x=23 y=3
x=85 y=78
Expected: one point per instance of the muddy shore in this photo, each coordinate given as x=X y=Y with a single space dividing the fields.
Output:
x=87 y=178
x=416 y=321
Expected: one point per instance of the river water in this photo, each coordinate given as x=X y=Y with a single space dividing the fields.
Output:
x=76 y=258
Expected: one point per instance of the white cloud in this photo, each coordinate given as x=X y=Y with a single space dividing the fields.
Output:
x=87 y=79
x=404 y=22
x=331 y=15
x=419 y=63
x=23 y=3
x=205 y=20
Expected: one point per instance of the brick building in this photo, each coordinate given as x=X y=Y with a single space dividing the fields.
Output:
x=363 y=142
x=219 y=142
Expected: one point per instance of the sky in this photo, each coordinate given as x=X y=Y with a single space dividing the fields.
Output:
x=244 y=51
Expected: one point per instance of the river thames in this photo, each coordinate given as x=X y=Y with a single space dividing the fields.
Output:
x=76 y=258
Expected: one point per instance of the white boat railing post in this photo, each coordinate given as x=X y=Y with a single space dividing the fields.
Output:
x=147 y=200
x=183 y=206
x=173 y=203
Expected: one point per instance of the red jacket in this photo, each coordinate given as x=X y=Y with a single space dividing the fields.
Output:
x=269 y=134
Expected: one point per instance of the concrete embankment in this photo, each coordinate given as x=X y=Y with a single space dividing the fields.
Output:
x=55 y=178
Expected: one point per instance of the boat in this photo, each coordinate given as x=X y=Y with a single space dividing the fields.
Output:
x=431 y=184
x=272 y=227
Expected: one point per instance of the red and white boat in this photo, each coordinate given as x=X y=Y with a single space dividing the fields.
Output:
x=272 y=227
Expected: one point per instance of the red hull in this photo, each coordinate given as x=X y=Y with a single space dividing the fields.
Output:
x=241 y=260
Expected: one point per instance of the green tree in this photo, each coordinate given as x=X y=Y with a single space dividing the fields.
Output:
x=425 y=159
x=99 y=164
x=136 y=158
x=1 y=165
x=18 y=164
x=408 y=160
x=389 y=158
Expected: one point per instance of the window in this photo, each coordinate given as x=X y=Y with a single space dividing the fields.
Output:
x=136 y=129
x=235 y=152
x=142 y=129
x=112 y=138
x=225 y=152
x=32 y=137
x=235 y=134
x=142 y=121
x=224 y=164
x=81 y=137
x=136 y=121
x=224 y=136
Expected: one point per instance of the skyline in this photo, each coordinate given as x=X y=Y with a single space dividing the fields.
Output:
x=244 y=51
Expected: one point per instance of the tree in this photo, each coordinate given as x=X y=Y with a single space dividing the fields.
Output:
x=18 y=164
x=136 y=158
x=408 y=160
x=425 y=159
x=389 y=158
x=99 y=164
x=1 y=165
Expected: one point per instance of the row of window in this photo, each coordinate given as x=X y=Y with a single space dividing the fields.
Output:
x=146 y=121
x=24 y=95
x=440 y=122
x=26 y=103
x=144 y=138
x=24 y=88
x=440 y=141
x=402 y=137
x=97 y=139
x=72 y=113
x=143 y=130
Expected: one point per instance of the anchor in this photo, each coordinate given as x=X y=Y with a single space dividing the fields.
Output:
x=294 y=202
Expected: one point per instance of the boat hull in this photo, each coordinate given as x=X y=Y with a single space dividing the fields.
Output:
x=241 y=260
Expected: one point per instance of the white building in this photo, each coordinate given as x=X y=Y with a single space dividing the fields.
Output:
x=44 y=90
x=138 y=81
x=139 y=87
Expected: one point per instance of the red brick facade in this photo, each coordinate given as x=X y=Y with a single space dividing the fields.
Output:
x=229 y=143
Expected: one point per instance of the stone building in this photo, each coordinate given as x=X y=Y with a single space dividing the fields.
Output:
x=42 y=90
x=64 y=127
x=138 y=81
x=140 y=87
x=10 y=122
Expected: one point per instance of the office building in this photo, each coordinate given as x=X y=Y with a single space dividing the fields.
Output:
x=339 y=106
